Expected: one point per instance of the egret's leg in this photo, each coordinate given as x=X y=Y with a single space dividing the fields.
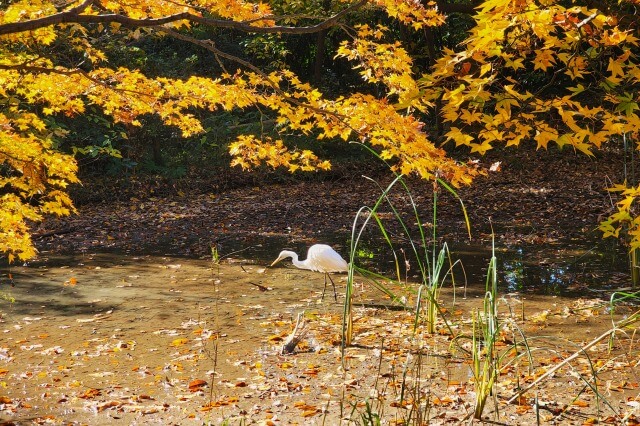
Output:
x=335 y=294
x=325 y=286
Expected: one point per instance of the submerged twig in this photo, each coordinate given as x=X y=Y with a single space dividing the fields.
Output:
x=299 y=332
x=617 y=327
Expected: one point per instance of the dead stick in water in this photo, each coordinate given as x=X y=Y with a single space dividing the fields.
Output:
x=608 y=333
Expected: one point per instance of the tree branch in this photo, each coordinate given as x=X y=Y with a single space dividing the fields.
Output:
x=74 y=15
x=468 y=9
x=210 y=46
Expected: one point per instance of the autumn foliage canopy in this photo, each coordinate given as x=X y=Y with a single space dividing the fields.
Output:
x=564 y=73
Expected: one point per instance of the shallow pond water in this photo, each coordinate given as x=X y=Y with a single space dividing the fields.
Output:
x=568 y=268
x=112 y=338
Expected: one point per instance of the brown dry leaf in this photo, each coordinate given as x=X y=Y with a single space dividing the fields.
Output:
x=107 y=405
x=302 y=405
x=633 y=421
x=142 y=397
x=5 y=400
x=522 y=400
x=495 y=167
x=3 y=371
x=442 y=401
x=197 y=385
x=311 y=371
x=580 y=403
x=307 y=410
x=89 y=393
x=310 y=413
x=219 y=403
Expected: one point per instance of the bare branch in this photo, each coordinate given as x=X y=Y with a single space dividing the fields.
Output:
x=468 y=8
x=74 y=15
x=210 y=46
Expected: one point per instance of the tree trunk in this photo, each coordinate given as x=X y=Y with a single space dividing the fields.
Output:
x=157 y=153
x=321 y=46
x=321 y=43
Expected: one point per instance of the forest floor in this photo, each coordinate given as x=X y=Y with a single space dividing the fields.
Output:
x=536 y=198
x=126 y=319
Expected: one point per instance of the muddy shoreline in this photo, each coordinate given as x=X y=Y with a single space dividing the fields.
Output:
x=523 y=204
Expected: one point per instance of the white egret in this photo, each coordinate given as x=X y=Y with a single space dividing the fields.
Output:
x=320 y=258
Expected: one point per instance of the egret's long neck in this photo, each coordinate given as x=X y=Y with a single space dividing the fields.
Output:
x=297 y=263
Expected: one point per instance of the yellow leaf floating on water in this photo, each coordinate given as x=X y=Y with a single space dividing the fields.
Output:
x=275 y=338
x=179 y=342
x=285 y=365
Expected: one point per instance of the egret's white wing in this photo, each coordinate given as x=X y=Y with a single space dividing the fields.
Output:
x=323 y=258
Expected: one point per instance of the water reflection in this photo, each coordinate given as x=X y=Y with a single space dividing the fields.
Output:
x=558 y=268
x=561 y=268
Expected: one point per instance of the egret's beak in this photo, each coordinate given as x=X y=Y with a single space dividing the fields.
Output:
x=276 y=261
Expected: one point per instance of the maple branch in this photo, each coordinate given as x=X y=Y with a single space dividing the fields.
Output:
x=210 y=46
x=44 y=70
x=74 y=15
x=65 y=71
x=468 y=9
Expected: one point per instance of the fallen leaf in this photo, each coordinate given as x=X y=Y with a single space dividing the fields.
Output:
x=219 y=403
x=89 y=393
x=179 y=342
x=197 y=385
x=285 y=365
x=106 y=405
